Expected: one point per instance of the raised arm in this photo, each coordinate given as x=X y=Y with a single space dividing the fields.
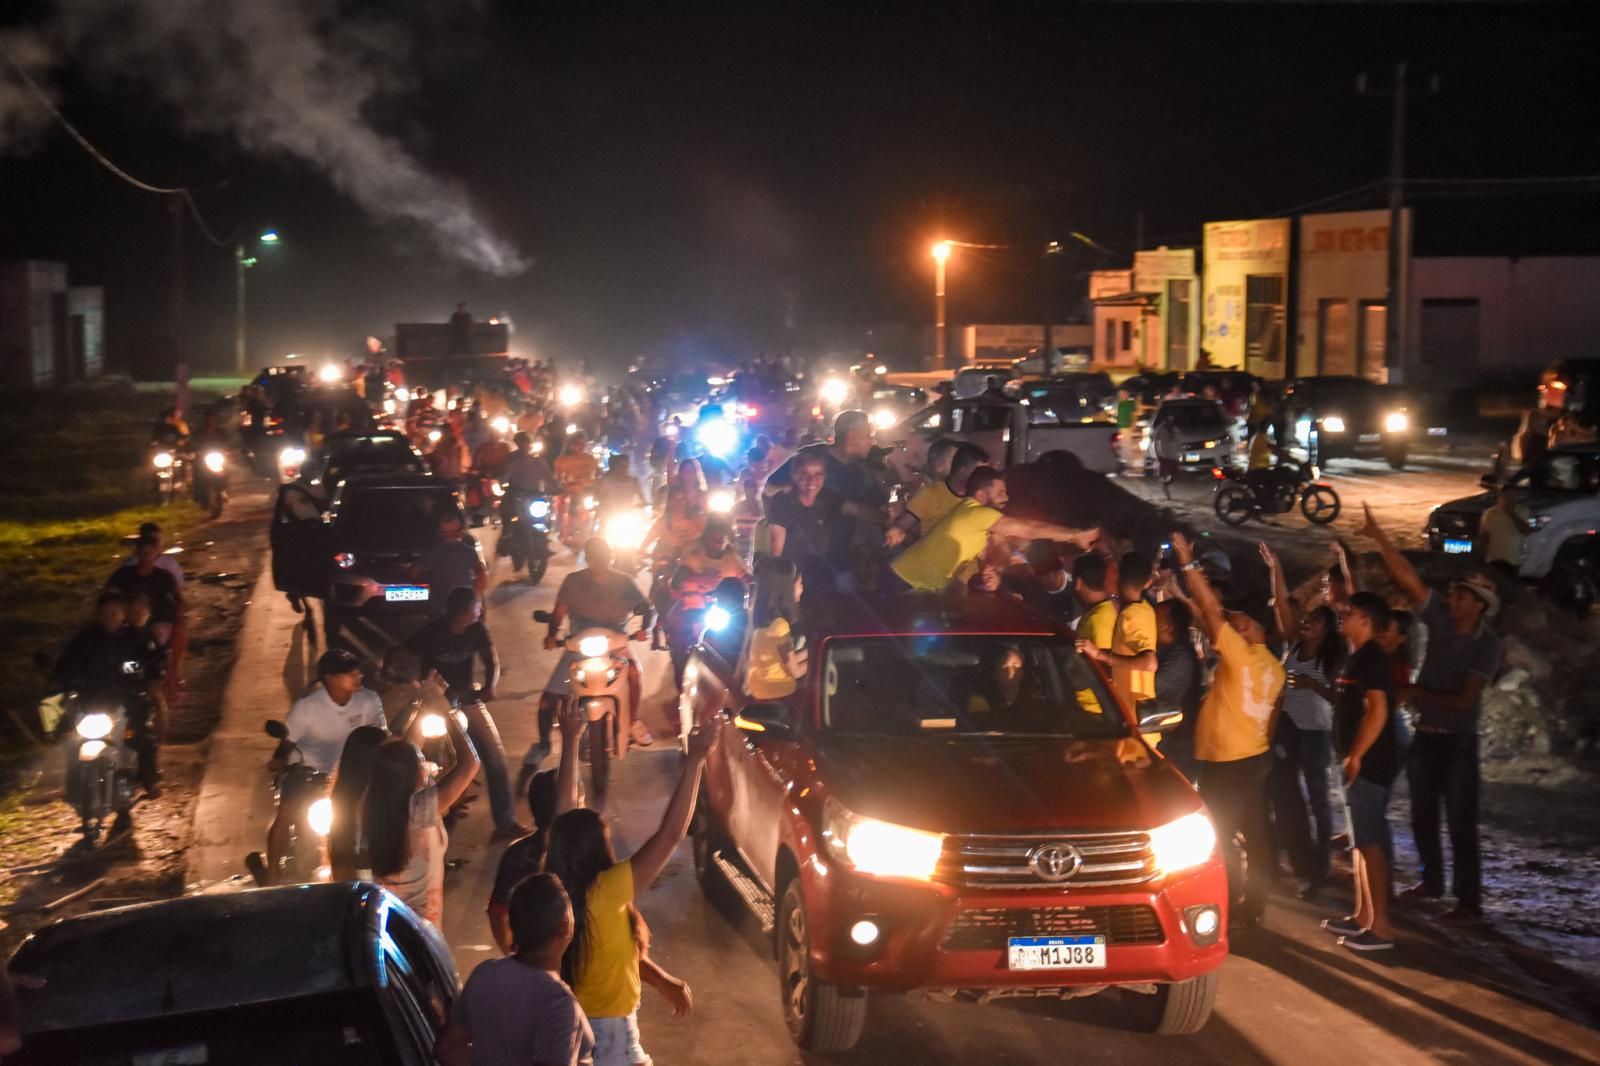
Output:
x=1400 y=569
x=1034 y=529
x=572 y=726
x=652 y=857
x=1207 y=609
x=1342 y=558
x=1284 y=609
x=455 y=781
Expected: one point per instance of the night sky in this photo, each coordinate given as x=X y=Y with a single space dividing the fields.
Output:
x=707 y=182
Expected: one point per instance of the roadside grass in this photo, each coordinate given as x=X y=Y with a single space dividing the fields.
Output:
x=74 y=481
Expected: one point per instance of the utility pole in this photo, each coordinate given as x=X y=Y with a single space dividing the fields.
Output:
x=240 y=264
x=1395 y=295
x=180 y=363
x=941 y=252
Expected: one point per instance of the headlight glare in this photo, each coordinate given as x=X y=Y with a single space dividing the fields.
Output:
x=1333 y=424
x=95 y=726
x=1396 y=422
x=90 y=750
x=319 y=816
x=1183 y=844
x=593 y=647
x=215 y=462
x=880 y=848
x=538 y=508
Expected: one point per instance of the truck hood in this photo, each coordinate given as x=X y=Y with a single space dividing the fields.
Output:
x=997 y=785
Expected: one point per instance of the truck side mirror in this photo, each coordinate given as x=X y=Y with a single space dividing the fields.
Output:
x=768 y=719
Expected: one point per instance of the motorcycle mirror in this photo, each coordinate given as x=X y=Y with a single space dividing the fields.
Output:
x=277 y=730
x=542 y=616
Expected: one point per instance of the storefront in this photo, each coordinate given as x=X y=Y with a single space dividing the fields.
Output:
x=1245 y=295
x=1341 y=293
x=1147 y=316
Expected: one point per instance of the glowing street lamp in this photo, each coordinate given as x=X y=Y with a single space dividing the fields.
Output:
x=941 y=252
x=241 y=263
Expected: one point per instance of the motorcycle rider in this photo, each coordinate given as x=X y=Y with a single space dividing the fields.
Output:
x=700 y=569
x=448 y=646
x=210 y=438
x=318 y=724
x=167 y=623
x=524 y=473
x=576 y=469
x=170 y=429
x=596 y=598
x=106 y=664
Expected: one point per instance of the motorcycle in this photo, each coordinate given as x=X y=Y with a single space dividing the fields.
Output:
x=525 y=533
x=172 y=471
x=210 y=481
x=101 y=763
x=483 y=494
x=600 y=665
x=1242 y=495
x=307 y=790
x=625 y=531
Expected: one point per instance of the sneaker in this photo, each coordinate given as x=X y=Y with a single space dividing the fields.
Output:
x=1365 y=942
x=1417 y=893
x=1461 y=915
x=641 y=735
x=1343 y=927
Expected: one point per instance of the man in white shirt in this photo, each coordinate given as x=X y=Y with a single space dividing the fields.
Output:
x=318 y=724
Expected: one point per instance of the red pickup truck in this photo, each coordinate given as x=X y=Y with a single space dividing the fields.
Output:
x=955 y=800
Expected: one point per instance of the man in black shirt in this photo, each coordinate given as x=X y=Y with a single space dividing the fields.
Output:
x=148 y=577
x=449 y=646
x=1369 y=734
x=522 y=858
x=845 y=472
x=806 y=527
x=107 y=664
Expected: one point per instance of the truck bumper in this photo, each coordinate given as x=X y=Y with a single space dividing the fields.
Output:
x=939 y=936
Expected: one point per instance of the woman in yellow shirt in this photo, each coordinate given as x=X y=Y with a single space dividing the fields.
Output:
x=774 y=662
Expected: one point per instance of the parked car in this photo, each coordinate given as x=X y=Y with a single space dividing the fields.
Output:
x=362 y=556
x=305 y=973
x=1557 y=497
x=1010 y=430
x=900 y=825
x=1206 y=433
x=1336 y=417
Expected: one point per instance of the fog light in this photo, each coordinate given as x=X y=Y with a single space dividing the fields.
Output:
x=1205 y=924
x=864 y=932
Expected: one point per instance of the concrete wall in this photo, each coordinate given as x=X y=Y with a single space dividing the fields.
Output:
x=1528 y=313
x=88 y=302
x=50 y=334
x=1343 y=260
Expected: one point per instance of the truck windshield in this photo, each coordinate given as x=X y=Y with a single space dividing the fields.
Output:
x=1195 y=416
x=393 y=514
x=1562 y=472
x=964 y=685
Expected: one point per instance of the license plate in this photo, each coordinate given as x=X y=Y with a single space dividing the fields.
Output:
x=1191 y=457
x=1457 y=546
x=1056 y=953
x=1371 y=438
x=405 y=593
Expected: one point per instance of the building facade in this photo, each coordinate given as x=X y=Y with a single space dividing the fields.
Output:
x=51 y=333
x=1147 y=316
x=1341 y=293
x=1246 y=288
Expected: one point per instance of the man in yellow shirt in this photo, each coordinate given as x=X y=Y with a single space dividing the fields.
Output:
x=1232 y=736
x=950 y=465
x=1097 y=626
x=964 y=535
x=1131 y=650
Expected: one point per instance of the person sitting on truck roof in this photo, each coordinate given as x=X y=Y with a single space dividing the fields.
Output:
x=950 y=464
x=964 y=535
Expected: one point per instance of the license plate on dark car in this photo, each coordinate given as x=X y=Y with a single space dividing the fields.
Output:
x=1056 y=953
x=405 y=593
x=1457 y=546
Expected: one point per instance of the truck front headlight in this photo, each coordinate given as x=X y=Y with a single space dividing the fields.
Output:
x=880 y=848
x=1333 y=424
x=1183 y=844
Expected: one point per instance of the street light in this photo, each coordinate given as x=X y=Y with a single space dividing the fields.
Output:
x=241 y=263
x=941 y=252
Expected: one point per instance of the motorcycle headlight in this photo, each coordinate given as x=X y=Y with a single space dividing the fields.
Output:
x=96 y=726
x=720 y=502
x=569 y=396
x=717 y=618
x=596 y=664
x=501 y=425
x=163 y=460
x=433 y=436
x=594 y=647
x=834 y=392
x=1333 y=424
x=1396 y=422
x=291 y=457
x=215 y=462
x=879 y=848
x=1183 y=844
x=319 y=816
x=538 y=508
x=433 y=726
x=717 y=437
x=625 y=531
x=883 y=418
x=497 y=489
x=389 y=406
x=588 y=503
x=90 y=750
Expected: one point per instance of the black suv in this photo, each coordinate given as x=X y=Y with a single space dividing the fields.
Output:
x=360 y=455
x=362 y=557
x=1334 y=417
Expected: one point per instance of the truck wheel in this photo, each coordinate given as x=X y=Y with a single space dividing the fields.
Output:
x=1178 y=1009
x=1574 y=578
x=822 y=1017
x=1395 y=456
x=1233 y=504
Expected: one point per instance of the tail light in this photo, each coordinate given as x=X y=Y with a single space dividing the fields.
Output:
x=1116 y=443
x=344 y=560
x=1218 y=473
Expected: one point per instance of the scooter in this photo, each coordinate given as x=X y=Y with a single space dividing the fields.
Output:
x=311 y=814
x=525 y=533
x=101 y=765
x=625 y=531
x=600 y=686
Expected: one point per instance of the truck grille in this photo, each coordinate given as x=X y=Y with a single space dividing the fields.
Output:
x=1455 y=525
x=1083 y=860
x=987 y=929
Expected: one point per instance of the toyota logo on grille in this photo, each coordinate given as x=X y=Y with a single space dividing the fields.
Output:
x=1055 y=862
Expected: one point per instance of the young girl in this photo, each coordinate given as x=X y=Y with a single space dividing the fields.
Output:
x=346 y=861
x=401 y=821
x=775 y=662
x=605 y=964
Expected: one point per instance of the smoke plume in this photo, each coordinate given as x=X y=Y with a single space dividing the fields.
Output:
x=301 y=79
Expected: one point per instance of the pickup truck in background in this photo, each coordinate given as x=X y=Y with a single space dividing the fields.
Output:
x=1012 y=431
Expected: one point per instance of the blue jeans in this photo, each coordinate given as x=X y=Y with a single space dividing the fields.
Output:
x=486 y=738
x=1444 y=767
x=1300 y=797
